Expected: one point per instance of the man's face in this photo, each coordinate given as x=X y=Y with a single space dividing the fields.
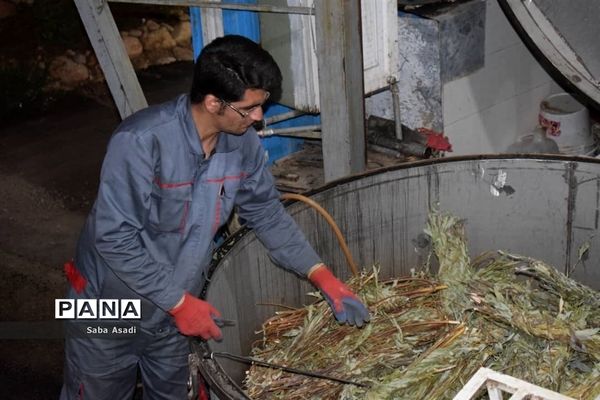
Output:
x=238 y=116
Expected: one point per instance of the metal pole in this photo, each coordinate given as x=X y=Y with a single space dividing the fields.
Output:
x=307 y=132
x=396 y=105
x=283 y=117
x=225 y=6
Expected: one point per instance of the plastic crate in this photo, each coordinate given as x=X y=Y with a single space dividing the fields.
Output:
x=497 y=384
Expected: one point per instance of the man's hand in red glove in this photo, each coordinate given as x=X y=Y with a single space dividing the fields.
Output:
x=345 y=305
x=194 y=317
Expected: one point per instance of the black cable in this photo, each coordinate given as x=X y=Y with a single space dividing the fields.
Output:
x=253 y=361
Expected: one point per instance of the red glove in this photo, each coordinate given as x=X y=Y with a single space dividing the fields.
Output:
x=345 y=305
x=194 y=317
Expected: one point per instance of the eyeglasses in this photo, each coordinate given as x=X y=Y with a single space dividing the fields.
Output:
x=248 y=111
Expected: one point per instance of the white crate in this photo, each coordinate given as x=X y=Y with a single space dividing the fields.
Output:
x=497 y=384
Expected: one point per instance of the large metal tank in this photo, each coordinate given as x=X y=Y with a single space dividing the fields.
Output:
x=545 y=208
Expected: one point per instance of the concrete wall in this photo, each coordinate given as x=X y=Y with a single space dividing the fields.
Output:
x=487 y=110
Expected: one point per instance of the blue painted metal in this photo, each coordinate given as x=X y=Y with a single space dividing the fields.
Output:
x=197 y=40
x=243 y=23
x=246 y=23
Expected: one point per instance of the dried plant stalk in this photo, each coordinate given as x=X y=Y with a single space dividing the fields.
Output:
x=429 y=335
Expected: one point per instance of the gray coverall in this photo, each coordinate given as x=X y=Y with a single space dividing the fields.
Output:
x=150 y=235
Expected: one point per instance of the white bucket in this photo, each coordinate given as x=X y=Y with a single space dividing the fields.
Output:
x=567 y=122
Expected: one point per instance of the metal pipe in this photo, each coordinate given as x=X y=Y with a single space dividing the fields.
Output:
x=308 y=132
x=396 y=106
x=385 y=150
x=283 y=117
x=407 y=148
x=225 y=6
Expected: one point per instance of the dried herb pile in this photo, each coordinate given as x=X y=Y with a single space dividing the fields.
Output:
x=429 y=335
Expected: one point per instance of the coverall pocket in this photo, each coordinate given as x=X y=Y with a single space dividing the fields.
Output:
x=229 y=192
x=169 y=207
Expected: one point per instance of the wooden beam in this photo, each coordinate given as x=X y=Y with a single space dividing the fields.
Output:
x=112 y=56
x=341 y=88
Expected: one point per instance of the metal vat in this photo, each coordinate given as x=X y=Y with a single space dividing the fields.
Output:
x=540 y=207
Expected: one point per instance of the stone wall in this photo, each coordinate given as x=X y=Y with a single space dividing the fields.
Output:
x=152 y=43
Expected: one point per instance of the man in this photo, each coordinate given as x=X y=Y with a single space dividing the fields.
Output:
x=170 y=179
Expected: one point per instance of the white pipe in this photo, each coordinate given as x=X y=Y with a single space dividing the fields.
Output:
x=308 y=132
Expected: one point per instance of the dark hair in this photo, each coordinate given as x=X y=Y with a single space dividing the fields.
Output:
x=229 y=65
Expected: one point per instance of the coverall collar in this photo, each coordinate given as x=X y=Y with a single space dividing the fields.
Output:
x=226 y=143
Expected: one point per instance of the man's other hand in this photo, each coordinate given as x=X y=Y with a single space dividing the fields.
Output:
x=194 y=317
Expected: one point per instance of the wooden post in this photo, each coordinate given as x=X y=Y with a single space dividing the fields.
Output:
x=110 y=50
x=341 y=88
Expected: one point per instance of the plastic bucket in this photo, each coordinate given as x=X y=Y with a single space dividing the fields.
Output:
x=567 y=122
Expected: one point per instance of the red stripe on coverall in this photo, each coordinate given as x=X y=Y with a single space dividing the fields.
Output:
x=227 y=178
x=164 y=185
x=220 y=192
